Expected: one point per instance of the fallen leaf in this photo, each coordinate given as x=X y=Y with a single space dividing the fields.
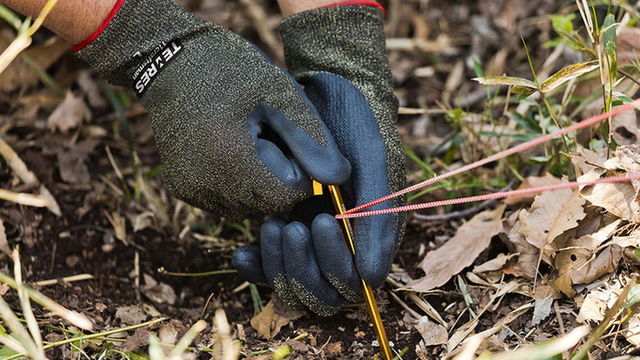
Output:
x=4 y=244
x=528 y=255
x=532 y=181
x=69 y=114
x=541 y=310
x=139 y=339
x=460 y=251
x=618 y=199
x=130 y=315
x=158 y=292
x=431 y=332
x=624 y=128
x=631 y=240
x=632 y=333
x=73 y=169
x=494 y=264
x=596 y=303
x=551 y=214
x=91 y=89
x=627 y=44
x=273 y=317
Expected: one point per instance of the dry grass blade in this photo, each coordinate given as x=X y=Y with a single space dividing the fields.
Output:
x=18 y=331
x=230 y=349
x=181 y=346
x=25 y=199
x=73 y=317
x=545 y=350
x=25 y=304
x=16 y=164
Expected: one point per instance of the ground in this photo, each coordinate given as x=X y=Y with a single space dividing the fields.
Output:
x=91 y=146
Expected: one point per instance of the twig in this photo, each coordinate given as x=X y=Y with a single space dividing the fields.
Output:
x=163 y=271
x=67 y=279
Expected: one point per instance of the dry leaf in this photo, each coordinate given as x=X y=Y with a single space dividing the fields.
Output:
x=541 y=309
x=460 y=251
x=532 y=181
x=624 y=128
x=273 y=317
x=91 y=89
x=432 y=333
x=627 y=44
x=618 y=199
x=551 y=214
x=130 y=315
x=596 y=303
x=528 y=255
x=139 y=339
x=70 y=114
x=495 y=264
x=73 y=169
x=158 y=292
x=4 y=244
x=632 y=333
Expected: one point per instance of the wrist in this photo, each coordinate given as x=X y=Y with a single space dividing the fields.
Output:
x=290 y=7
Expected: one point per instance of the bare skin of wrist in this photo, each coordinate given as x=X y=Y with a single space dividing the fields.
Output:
x=73 y=20
x=290 y=7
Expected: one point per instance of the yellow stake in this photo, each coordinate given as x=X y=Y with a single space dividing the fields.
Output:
x=367 y=291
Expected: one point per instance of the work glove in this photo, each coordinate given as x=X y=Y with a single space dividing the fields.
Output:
x=235 y=133
x=338 y=54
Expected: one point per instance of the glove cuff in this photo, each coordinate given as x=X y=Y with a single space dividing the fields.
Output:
x=356 y=2
x=81 y=45
x=132 y=34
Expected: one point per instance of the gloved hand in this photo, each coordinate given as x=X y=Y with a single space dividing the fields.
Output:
x=338 y=54
x=235 y=133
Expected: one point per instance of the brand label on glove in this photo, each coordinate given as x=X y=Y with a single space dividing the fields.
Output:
x=160 y=57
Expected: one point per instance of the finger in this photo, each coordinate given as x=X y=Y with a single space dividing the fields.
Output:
x=273 y=261
x=286 y=169
x=304 y=273
x=311 y=144
x=337 y=100
x=334 y=257
x=248 y=262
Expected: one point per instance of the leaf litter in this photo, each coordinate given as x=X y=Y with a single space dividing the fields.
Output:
x=120 y=225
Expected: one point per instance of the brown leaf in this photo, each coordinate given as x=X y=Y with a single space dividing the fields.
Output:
x=530 y=182
x=73 y=169
x=70 y=114
x=495 y=264
x=139 y=339
x=158 y=292
x=460 y=251
x=4 y=244
x=528 y=254
x=431 y=332
x=130 y=315
x=273 y=317
x=618 y=199
x=577 y=265
x=628 y=44
x=551 y=214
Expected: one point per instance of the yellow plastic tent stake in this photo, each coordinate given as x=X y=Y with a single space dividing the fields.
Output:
x=367 y=291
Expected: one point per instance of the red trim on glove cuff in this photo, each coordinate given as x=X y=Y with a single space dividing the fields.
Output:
x=100 y=29
x=357 y=2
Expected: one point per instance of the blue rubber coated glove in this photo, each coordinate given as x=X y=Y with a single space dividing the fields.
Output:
x=338 y=54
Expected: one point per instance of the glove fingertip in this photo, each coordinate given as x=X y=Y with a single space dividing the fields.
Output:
x=248 y=262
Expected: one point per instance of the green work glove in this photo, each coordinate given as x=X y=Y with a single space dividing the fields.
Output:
x=236 y=134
